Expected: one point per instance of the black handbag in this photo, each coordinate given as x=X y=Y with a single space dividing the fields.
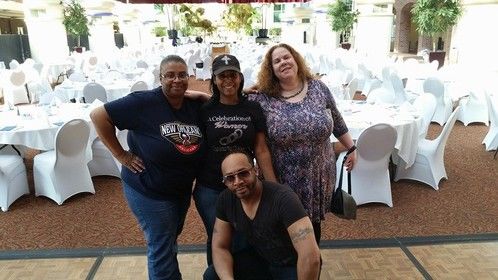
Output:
x=343 y=204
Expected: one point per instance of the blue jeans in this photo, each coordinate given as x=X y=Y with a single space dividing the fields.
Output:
x=205 y=201
x=248 y=265
x=162 y=222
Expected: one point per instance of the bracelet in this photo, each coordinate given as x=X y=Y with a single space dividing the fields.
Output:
x=352 y=149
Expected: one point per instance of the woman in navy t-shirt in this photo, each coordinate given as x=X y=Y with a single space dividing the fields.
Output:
x=165 y=142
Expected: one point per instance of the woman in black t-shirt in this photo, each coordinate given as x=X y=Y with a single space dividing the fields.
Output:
x=228 y=121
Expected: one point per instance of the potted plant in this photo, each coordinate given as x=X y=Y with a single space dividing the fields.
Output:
x=434 y=17
x=169 y=11
x=75 y=21
x=239 y=16
x=193 y=21
x=342 y=19
x=263 y=31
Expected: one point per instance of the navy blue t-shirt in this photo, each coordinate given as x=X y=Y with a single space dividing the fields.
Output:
x=169 y=141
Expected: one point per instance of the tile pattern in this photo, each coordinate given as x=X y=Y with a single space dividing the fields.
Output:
x=442 y=261
x=459 y=261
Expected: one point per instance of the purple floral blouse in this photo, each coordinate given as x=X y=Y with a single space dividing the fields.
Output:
x=298 y=136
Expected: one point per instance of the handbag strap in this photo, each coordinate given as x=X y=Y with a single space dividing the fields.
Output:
x=342 y=169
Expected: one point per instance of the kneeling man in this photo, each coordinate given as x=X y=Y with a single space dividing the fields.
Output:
x=272 y=219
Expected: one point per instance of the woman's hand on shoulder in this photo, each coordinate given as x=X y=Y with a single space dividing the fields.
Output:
x=251 y=90
x=197 y=95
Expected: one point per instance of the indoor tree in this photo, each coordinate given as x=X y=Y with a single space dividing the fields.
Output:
x=239 y=16
x=75 y=20
x=342 y=18
x=433 y=17
x=193 y=20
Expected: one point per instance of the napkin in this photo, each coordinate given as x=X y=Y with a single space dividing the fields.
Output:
x=8 y=128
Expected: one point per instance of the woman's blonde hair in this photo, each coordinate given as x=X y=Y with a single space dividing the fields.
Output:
x=268 y=82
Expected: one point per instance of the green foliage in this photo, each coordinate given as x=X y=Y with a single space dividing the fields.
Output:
x=239 y=16
x=74 y=18
x=435 y=16
x=160 y=31
x=275 y=31
x=192 y=21
x=341 y=16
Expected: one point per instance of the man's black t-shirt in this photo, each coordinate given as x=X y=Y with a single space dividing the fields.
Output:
x=267 y=232
x=227 y=127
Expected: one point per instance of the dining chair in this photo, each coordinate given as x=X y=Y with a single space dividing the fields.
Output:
x=370 y=180
x=139 y=86
x=425 y=104
x=474 y=107
x=444 y=105
x=429 y=166
x=63 y=172
x=15 y=91
x=92 y=91
x=205 y=72
x=490 y=141
x=13 y=179
x=103 y=162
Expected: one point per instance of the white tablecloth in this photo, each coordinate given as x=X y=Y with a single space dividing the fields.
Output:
x=360 y=115
x=30 y=129
x=115 y=89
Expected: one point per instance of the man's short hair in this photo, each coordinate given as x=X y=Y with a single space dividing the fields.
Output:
x=249 y=156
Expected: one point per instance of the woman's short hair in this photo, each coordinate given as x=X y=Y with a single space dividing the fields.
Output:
x=268 y=82
x=172 y=58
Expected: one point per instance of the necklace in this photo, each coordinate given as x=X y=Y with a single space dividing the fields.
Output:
x=293 y=95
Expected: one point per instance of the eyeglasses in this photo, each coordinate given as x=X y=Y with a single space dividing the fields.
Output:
x=242 y=175
x=227 y=75
x=172 y=75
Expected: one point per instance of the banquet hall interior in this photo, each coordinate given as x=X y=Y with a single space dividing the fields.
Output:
x=426 y=206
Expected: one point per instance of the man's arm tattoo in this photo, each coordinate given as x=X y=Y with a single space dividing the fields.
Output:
x=300 y=234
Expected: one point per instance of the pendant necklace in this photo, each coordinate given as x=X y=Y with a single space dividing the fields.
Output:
x=293 y=95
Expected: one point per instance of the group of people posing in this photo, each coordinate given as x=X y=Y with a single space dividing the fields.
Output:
x=261 y=159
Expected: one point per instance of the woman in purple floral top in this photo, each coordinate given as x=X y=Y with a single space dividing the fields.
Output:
x=301 y=114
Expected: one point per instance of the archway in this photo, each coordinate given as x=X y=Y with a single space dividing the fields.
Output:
x=406 y=36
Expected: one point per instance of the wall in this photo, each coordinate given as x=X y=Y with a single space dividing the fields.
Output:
x=47 y=35
x=474 y=37
x=374 y=29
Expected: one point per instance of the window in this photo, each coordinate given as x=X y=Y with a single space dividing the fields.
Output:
x=38 y=12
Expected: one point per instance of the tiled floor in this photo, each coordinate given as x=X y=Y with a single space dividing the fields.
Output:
x=385 y=259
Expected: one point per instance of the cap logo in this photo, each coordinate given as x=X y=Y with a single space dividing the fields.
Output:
x=226 y=59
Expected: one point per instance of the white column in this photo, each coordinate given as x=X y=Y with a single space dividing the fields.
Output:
x=373 y=30
x=474 y=39
x=101 y=39
x=47 y=34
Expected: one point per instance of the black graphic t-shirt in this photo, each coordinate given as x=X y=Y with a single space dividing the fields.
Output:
x=227 y=127
x=169 y=141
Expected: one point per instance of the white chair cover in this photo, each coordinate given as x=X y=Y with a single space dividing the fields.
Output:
x=63 y=172
x=429 y=162
x=491 y=138
x=13 y=179
x=444 y=105
x=93 y=91
x=370 y=176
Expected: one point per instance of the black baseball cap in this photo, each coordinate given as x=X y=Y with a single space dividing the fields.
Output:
x=224 y=62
